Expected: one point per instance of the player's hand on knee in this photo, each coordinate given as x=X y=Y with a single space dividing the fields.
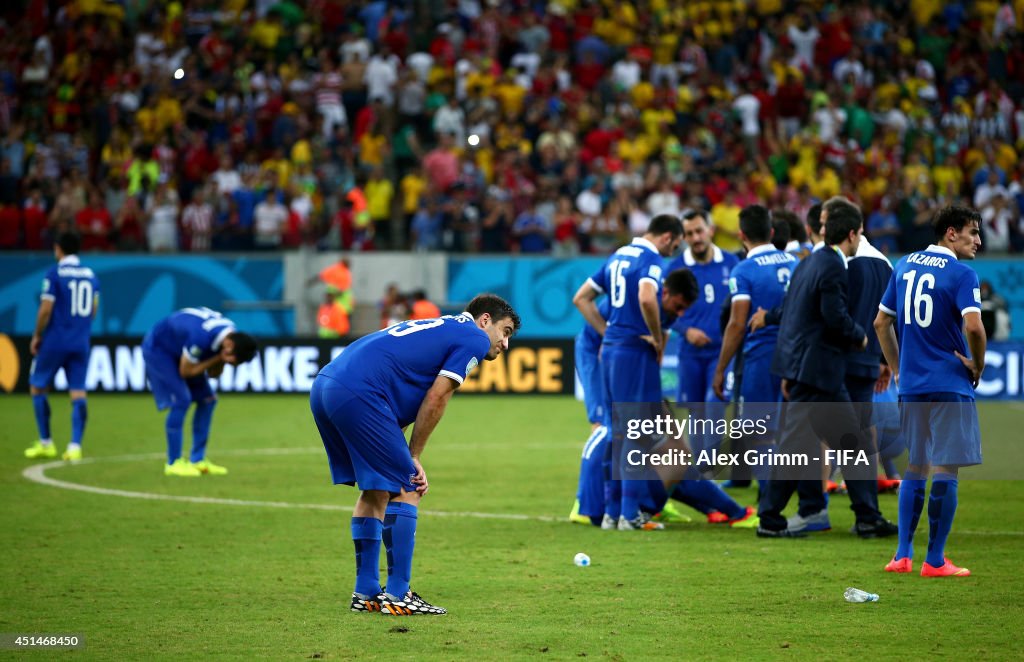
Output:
x=420 y=479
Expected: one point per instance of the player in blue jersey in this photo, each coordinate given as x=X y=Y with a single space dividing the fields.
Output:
x=934 y=300
x=699 y=327
x=589 y=504
x=632 y=348
x=67 y=306
x=633 y=341
x=361 y=402
x=759 y=281
x=182 y=352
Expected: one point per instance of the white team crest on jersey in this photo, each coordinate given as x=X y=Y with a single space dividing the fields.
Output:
x=977 y=294
x=195 y=351
x=472 y=364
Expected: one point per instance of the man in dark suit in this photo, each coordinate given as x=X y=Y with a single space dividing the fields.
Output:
x=815 y=335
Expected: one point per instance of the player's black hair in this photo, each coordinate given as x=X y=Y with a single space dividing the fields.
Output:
x=70 y=243
x=663 y=223
x=756 y=223
x=843 y=217
x=691 y=214
x=245 y=346
x=682 y=281
x=953 y=216
x=797 y=229
x=498 y=308
x=780 y=238
x=814 y=218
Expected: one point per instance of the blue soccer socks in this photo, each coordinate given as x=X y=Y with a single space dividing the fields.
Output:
x=399 y=543
x=79 y=415
x=201 y=421
x=175 y=421
x=41 y=407
x=941 y=509
x=366 y=535
x=911 y=503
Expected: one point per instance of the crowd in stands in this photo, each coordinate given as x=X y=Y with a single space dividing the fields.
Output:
x=495 y=126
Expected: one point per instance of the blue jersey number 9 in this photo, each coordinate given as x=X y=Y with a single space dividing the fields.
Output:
x=412 y=326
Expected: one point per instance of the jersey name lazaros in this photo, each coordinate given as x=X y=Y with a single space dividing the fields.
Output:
x=929 y=293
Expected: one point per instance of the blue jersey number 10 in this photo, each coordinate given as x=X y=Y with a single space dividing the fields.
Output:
x=81 y=298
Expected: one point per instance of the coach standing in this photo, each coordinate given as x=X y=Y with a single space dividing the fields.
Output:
x=816 y=333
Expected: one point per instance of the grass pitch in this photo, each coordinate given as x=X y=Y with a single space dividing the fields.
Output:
x=263 y=568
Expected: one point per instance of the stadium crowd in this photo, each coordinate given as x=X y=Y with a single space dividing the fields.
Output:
x=546 y=127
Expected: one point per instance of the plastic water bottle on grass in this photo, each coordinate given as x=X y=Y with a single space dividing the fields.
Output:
x=856 y=595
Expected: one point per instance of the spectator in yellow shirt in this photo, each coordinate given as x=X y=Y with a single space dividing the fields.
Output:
x=379 y=194
x=413 y=186
x=726 y=217
x=825 y=184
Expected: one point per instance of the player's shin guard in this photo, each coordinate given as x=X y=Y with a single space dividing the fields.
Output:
x=41 y=407
x=911 y=503
x=366 y=536
x=79 y=415
x=941 y=509
x=175 y=421
x=201 y=421
x=399 y=542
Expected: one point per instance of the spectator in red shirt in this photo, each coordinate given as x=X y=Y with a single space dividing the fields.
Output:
x=94 y=224
x=34 y=218
x=10 y=226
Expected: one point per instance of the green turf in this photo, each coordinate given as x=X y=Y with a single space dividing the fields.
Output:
x=157 y=579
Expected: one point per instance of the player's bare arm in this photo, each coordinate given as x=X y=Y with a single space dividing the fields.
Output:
x=584 y=301
x=188 y=370
x=651 y=310
x=732 y=339
x=697 y=337
x=887 y=339
x=976 y=341
x=42 y=320
x=430 y=412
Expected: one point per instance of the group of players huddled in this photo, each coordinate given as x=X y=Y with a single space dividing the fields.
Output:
x=728 y=313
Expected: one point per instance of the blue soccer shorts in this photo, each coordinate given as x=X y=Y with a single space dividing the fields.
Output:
x=588 y=369
x=365 y=445
x=47 y=362
x=941 y=429
x=760 y=390
x=631 y=373
x=168 y=386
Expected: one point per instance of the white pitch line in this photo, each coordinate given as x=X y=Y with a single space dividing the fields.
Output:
x=37 y=474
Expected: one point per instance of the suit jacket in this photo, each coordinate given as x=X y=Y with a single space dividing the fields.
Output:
x=816 y=329
x=869 y=275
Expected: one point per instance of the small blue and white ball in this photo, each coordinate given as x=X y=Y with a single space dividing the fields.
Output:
x=581 y=559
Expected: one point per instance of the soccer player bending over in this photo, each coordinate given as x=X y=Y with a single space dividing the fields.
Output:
x=182 y=352
x=931 y=296
x=61 y=340
x=361 y=402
